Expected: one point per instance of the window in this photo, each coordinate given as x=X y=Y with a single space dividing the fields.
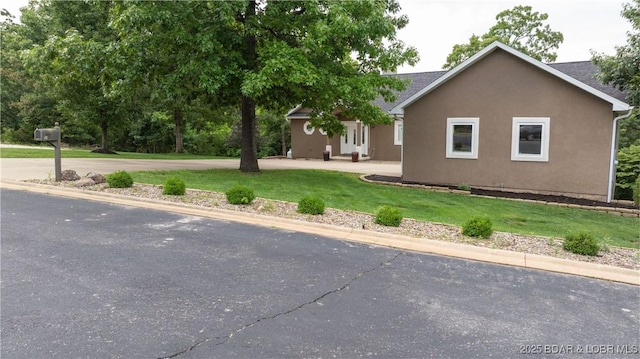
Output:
x=397 y=133
x=530 y=139
x=308 y=129
x=462 y=137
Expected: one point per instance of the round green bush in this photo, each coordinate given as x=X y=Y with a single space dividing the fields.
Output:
x=174 y=187
x=311 y=205
x=120 y=179
x=240 y=195
x=581 y=243
x=388 y=216
x=480 y=227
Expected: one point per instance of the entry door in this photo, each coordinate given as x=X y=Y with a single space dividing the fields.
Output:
x=349 y=138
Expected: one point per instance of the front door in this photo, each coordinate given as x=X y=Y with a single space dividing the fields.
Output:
x=349 y=138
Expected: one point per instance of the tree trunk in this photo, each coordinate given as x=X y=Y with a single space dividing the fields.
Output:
x=249 y=154
x=283 y=138
x=177 y=130
x=104 y=127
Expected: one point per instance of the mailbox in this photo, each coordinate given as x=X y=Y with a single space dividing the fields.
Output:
x=46 y=134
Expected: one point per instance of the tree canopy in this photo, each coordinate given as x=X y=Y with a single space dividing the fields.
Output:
x=521 y=28
x=271 y=54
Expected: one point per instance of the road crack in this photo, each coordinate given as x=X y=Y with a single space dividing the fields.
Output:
x=226 y=338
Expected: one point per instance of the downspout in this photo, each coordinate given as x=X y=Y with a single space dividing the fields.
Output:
x=614 y=154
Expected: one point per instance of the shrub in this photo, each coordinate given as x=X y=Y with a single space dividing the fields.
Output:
x=636 y=192
x=464 y=187
x=628 y=171
x=388 y=216
x=480 y=227
x=581 y=243
x=240 y=195
x=174 y=187
x=311 y=205
x=120 y=179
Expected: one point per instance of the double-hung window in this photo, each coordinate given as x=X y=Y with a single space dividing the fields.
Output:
x=397 y=132
x=530 y=139
x=462 y=137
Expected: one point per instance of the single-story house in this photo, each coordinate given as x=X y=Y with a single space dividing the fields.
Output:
x=500 y=120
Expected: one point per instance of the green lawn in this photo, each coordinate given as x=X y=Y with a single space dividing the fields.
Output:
x=46 y=152
x=346 y=191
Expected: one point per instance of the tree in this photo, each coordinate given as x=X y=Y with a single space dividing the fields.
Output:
x=622 y=70
x=520 y=28
x=70 y=65
x=277 y=54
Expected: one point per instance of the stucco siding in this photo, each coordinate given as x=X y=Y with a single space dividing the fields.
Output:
x=381 y=147
x=496 y=89
x=309 y=146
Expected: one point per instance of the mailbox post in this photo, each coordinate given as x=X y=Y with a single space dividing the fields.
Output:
x=51 y=136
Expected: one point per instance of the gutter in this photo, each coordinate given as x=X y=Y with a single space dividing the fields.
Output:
x=614 y=154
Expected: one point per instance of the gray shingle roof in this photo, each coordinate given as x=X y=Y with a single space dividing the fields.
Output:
x=583 y=71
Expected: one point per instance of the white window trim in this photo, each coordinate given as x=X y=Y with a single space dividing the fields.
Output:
x=306 y=130
x=397 y=131
x=322 y=132
x=515 y=139
x=475 y=130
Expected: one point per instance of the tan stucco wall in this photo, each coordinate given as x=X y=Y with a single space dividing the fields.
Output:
x=381 y=147
x=496 y=89
x=309 y=146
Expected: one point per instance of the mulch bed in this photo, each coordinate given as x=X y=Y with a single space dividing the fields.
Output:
x=503 y=194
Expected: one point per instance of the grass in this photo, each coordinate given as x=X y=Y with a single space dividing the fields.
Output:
x=46 y=152
x=346 y=191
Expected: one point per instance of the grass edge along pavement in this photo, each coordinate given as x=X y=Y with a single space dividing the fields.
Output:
x=45 y=152
x=398 y=241
x=346 y=191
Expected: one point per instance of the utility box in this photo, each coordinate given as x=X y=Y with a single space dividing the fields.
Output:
x=46 y=134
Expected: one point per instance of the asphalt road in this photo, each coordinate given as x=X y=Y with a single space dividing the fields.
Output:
x=89 y=280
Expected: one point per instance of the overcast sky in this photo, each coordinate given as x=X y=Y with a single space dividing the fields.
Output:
x=436 y=25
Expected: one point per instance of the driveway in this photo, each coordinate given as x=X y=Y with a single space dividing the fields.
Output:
x=43 y=168
x=87 y=279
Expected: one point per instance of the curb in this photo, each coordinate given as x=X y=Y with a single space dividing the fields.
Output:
x=456 y=250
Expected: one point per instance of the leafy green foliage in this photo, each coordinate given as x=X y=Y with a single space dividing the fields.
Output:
x=239 y=194
x=581 y=243
x=388 y=216
x=627 y=171
x=311 y=205
x=521 y=28
x=120 y=179
x=464 y=187
x=480 y=227
x=174 y=187
x=622 y=69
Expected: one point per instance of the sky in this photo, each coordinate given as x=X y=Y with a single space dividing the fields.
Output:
x=436 y=25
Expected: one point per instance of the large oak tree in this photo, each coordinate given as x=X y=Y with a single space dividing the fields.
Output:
x=322 y=54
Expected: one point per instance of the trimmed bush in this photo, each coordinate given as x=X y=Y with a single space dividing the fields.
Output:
x=636 y=192
x=464 y=187
x=174 y=187
x=388 y=216
x=120 y=179
x=240 y=195
x=581 y=243
x=480 y=227
x=311 y=205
